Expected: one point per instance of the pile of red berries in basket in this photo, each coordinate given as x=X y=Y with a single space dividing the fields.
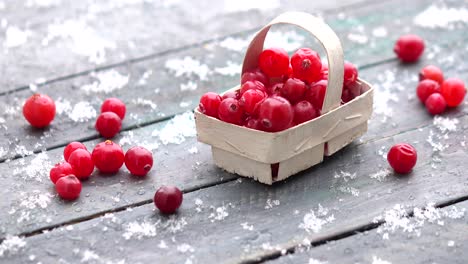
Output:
x=283 y=92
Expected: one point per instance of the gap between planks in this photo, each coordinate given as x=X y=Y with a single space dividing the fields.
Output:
x=290 y=249
x=334 y=10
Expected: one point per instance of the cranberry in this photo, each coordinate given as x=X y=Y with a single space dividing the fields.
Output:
x=251 y=123
x=275 y=89
x=250 y=99
x=303 y=112
x=350 y=73
x=209 y=104
x=255 y=75
x=435 y=104
x=350 y=92
x=409 y=48
x=293 y=90
x=82 y=163
x=426 y=88
x=402 y=157
x=433 y=73
x=108 y=157
x=139 y=161
x=231 y=94
x=316 y=93
x=453 y=90
x=39 y=110
x=59 y=170
x=72 y=147
x=230 y=111
x=168 y=199
x=306 y=65
x=275 y=114
x=252 y=85
x=108 y=124
x=68 y=187
x=114 y=105
x=274 y=62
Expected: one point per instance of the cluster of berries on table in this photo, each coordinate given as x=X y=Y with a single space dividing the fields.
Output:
x=437 y=93
x=281 y=93
x=109 y=122
x=108 y=157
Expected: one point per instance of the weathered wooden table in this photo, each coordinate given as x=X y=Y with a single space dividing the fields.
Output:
x=159 y=57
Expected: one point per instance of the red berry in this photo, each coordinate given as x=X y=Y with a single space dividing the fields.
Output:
x=306 y=65
x=350 y=92
x=275 y=114
x=433 y=73
x=255 y=75
x=316 y=93
x=435 y=104
x=209 y=104
x=350 y=73
x=108 y=124
x=72 y=147
x=230 y=111
x=139 y=161
x=303 y=112
x=453 y=90
x=168 y=199
x=250 y=99
x=68 y=187
x=324 y=72
x=108 y=157
x=274 y=62
x=114 y=105
x=409 y=48
x=231 y=94
x=275 y=89
x=39 y=110
x=402 y=157
x=82 y=163
x=251 y=123
x=252 y=85
x=293 y=90
x=59 y=170
x=426 y=88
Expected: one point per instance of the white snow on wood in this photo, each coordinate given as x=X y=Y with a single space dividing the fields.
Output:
x=15 y=37
x=106 y=82
x=315 y=220
x=446 y=124
x=42 y=3
x=377 y=260
x=37 y=169
x=234 y=6
x=188 y=67
x=11 y=245
x=436 y=16
x=316 y=261
x=177 y=129
x=231 y=69
x=235 y=44
x=380 y=175
x=289 y=40
x=145 y=102
x=82 y=112
x=140 y=230
x=219 y=213
x=247 y=226
x=271 y=203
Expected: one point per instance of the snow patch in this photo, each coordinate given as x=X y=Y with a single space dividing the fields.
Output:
x=231 y=69
x=82 y=112
x=106 y=82
x=234 y=6
x=11 y=245
x=15 y=37
x=140 y=230
x=235 y=44
x=441 y=17
x=315 y=220
x=177 y=129
x=188 y=67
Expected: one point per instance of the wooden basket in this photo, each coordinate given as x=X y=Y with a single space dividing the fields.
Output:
x=270 y=157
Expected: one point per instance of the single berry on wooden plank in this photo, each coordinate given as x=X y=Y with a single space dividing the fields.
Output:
x=139 y=161
x=39 y=110
x=402 y=158
x=108 y=157
x=168 y=199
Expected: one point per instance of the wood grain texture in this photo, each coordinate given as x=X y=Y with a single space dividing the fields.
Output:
x=440 y=241
x=340 y=194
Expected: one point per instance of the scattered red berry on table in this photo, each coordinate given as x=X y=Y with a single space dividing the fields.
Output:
x=72 y=147
x=306 y=65
x=431 y=72
x=293 y=90
x=114 y=105
x=168 y=199
x=409 y=48
x=435 y=104
x=59 y=170
x=252 y=85
x=139 y=161
x=350 y=73
x=68 y=187
x=82 y=163
x=108 y=124
x=303 y=112
x=39 y=110
x=250 y=100
x=255 y=75
x=209 y=104
x=274 y=62
x=316 y=94
x=453 y=90
x=402 y=157
x=275 y=114
x=230 y=111
x=108 y=157
x=426 y=88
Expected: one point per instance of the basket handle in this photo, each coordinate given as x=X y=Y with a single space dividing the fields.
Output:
x=324 y=34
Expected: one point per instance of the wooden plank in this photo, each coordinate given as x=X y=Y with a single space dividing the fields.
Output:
x=57 y=38
x=440 y=236
x=29 y=201
x=244 y=220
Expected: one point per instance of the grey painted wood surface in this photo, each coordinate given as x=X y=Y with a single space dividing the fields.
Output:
x=438 y=236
